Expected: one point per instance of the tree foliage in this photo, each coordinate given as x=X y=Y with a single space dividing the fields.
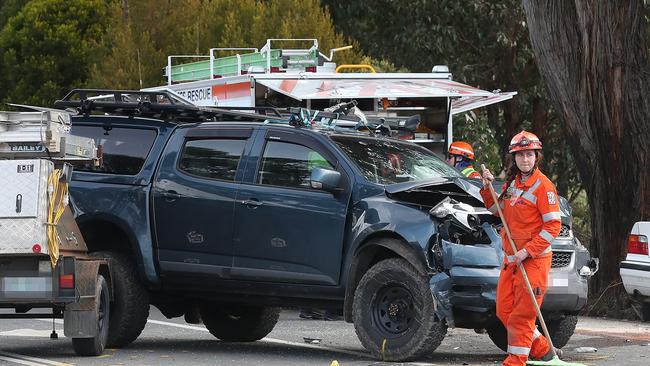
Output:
x=48 y=47
x=144 y=33
x=9 y=8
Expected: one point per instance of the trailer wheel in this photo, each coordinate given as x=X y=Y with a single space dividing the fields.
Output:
x=130 y=307
x=95 y=346
x=239 y=323
x=393 y=312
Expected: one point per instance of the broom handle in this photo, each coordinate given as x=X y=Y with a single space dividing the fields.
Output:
x=521 y=266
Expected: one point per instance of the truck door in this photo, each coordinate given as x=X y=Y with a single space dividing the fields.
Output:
x=285 y=231
x=193 y=199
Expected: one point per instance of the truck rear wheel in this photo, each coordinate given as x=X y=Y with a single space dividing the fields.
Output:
x=238 y=323
x=130 y=307
x=393 y=312
x=95 y=346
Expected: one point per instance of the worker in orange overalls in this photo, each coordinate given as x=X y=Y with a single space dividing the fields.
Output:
x=530 y=207
x=460 y=155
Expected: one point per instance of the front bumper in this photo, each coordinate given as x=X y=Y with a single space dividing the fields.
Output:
x=568 y=285
x=465 y=292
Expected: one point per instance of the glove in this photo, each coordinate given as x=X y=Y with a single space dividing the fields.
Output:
x=520 y=256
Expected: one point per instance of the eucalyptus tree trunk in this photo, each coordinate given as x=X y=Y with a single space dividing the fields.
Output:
x=593 y=58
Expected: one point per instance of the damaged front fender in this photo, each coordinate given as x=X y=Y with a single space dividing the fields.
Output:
x=465 y=292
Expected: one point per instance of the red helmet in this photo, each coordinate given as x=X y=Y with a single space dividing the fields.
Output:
x=525 y=140
x=461 y=148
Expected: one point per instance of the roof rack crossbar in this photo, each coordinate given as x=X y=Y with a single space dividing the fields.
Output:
x=151 y=104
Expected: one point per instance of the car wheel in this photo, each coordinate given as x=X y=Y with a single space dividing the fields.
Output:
x=238 y=323
x=130 y=307
x=393 y=312
x=560 y=331
x=95 y=346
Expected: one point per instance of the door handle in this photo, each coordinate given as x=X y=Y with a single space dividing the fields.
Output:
x=170 y=195
x=252 y=203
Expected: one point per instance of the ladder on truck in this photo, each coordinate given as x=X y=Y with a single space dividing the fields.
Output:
x=264 y=60
x=42 y=133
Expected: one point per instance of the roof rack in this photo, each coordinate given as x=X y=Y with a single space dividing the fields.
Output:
x=161 y=105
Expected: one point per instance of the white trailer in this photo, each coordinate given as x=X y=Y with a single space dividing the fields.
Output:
x=45 y=266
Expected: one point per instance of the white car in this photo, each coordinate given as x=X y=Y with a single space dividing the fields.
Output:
x=635 y=269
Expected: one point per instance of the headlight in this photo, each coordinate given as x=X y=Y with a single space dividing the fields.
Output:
x=463 y=214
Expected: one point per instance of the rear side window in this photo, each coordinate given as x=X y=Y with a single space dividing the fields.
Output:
x=125 y=149
x=289 y=165
x=212 y=158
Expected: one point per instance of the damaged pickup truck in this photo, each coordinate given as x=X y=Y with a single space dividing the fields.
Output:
x=225 y=220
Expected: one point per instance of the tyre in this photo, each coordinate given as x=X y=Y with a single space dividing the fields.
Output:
x=393 y=312
x=238 y=323
x=645 y=311
x=130 y=306
x=560 y=331
x=95 y=346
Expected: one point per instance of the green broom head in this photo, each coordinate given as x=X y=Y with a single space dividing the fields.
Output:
x=554 y=362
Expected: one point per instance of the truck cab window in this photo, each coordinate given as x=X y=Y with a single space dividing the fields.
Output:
x=289 y=165
x=124 y=149
x=212 y=158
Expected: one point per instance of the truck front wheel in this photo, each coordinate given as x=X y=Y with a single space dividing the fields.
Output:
x=130 y=307
x=393 y=312
x=238 y=323
x=561 y=329
x=95 y=346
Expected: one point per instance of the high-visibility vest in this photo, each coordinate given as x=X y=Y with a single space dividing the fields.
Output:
x=469 y=171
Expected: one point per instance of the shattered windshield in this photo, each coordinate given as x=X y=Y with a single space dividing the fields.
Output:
x=386 y=161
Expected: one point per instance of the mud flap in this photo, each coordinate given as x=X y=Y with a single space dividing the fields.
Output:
x=80 y=317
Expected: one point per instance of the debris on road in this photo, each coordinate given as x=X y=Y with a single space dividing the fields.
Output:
x=586 y=349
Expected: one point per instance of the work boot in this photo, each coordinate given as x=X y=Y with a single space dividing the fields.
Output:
x=549 y=355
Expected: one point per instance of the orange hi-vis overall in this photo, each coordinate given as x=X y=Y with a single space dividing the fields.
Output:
x=532 y=212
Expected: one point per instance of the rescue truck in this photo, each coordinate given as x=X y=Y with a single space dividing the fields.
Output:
x=254 y=79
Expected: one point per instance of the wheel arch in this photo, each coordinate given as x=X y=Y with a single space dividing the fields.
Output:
x=107 y=233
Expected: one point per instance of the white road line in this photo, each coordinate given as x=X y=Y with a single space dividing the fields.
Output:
x=20 y=362
x=34 y=359
x=268 y=340
x=27 y=360
x=170 y=324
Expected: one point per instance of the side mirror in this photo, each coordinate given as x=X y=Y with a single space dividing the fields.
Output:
x=325 y=179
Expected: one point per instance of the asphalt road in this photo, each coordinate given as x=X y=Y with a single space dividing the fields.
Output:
x=173 y=342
